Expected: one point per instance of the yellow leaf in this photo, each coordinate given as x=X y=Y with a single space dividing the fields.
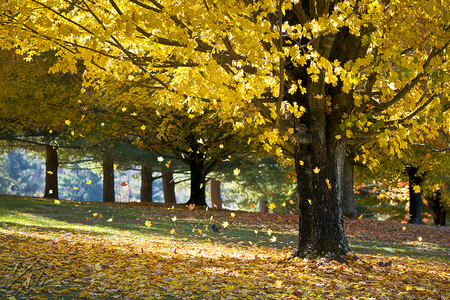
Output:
x=98 y=267
x=172 y=231
x=50 y=172
x=143 y=127
x=160 y=158
x=50 y=131
x=291 y=201
x=124 y=109
x=57 y=201
x=94 y=214
x=168 y=163
x=301 y=163
x=250 y=242
x=88 y=181
x=404 y=228
x=338 y=137
x=269 y=232
x=174 y=218
x=309 y=200
x=109 y=220
x=191 y=206
x=273 y=239
x=100 y=216
x=233 y=215
x=328 y=183
x=67 y=122
x=272 y=206
x=225 y=224
x=416 y=189
x=148 y=223
x=75 y=188
x=199 y=231
x=316 y=170
x=419 y=238
x=236 y=171
x=283 y=204
x=360 y=217
x=409 y=287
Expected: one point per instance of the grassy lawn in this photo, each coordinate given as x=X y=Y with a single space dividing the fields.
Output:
x=79 y=250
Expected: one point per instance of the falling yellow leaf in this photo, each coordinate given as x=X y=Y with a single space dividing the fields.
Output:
x=72 y=132
x=283 y=204
x=328 y=183
x=115 y=166
x=309 y=200
x=419 y=238
x=250 y=242
x=301 y=162
x=148 y=223
x=233 y=215
x=174 y=218
x=100 y=216
x=123 y=183
x=94 y=214
x=50 y=191
x=316 y=170
x=124 y=109
x=252 y=205
x=67 y=122
x=168 y=163
x=404 y=228
x=291 y=201
x=110 y=220
x=98 y=164
x=199 y=231
x=88 y=181
x=272 y=206
x=225 y=224
x=102 y=124
x=143 y=127
x=236 y=171
x=360 y=217
x=50 y=131
x=256 y=232
x=269 y=232
x=338 y=137
x=160 y=158
x=75 y=188
x=273 y=239
x=172 y=231
x=57 y=202
x=50 y=172
x=409 y=287
x=134 y=114
x=416 y=189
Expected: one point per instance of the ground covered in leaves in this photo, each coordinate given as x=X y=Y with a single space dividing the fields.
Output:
x=68 y=250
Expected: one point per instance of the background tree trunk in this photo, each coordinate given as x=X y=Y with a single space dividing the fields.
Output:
x=51 y=172
x=436 y=208
x=348 y=200
x=108 y=180
x=415 y=199
x=198 y=177
x=146 y=184
x=263 y=208
x=168 y=186
x=216 y=199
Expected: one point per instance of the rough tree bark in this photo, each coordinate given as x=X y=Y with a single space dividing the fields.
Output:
x=415 y=199
x=168 y=186
x=108 y=180
x=216 y=199
x=263 y=208
x=146 y=184
x=51 y=172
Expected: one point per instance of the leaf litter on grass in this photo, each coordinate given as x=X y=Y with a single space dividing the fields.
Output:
x=150 y=263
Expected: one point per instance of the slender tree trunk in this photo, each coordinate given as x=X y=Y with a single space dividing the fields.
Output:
x=108 y=180
x=168 y=186
x=198 y=178
x=146 y=184
x=263 y=208
x=216 y=199
x=436 y=208
x=415 y=199
x=51 y=172
x=348 y=200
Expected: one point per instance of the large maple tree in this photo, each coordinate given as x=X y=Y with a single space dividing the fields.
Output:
x=349 y=70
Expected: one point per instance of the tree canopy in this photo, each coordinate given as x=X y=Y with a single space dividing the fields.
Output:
x=321 y=73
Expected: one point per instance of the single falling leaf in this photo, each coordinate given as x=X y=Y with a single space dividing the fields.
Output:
x=57 y=202
x=404 y=227
x=50 y=131
x=250 y=242
x=409 y=287
x=221 y=146
x=67 y=122
x=225 y=224
x=172 y=231
x=94 y=214
x=328 y=183
x=256 y=232
x=123 y=183
x=252 y=205
x=75 y=188
x=173 y=206
x=50 y=191
x=199 y=231
x=115 y=166
x=273 y=239
x=419 y=238
x=168 y=164
x=416 y=189
x=134 y=114
x=233 y=215
x=124 y=109
x=100 y=216
x=236 y=171
x=272 y=206
x=316 y=170
x=269 y=232
x=110 y=220
x=148 y=223
x=283 y=204
x=72 y=132
x=102 y=124
x=88 y=181
x=50 y=172
x=291 y=201
x=301 y=162
x=160 y=158
x=98 y=164
x=174 y=218
x=143 y=127
x=309 y=200
x=360 y=217
x=212 y=217
x=338 y=137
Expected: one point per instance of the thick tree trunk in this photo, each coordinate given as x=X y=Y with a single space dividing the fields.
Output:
x=108 y=180
x=51 y=172
x=168 y=186
x=348 y=200
x=198 y=179
x=146 y=184
x=263 y=208
x=216 y=199
x=436 y=209
x=415 y=199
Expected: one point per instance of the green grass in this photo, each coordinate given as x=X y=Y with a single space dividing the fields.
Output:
x=67 y=239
